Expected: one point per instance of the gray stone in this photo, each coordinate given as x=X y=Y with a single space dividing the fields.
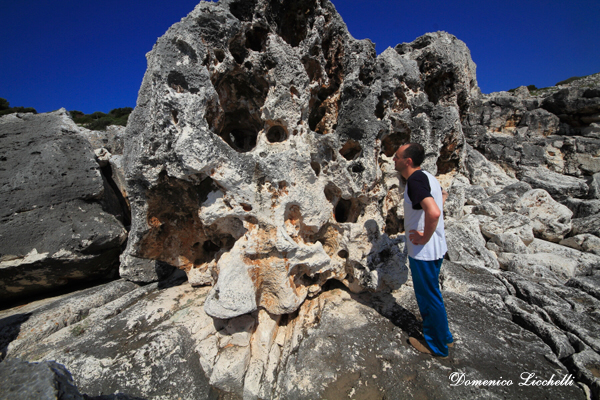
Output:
x=583 y=225
x=46 y=380
x=55 y=229
x=488 y=208
x=540 y=267
x=589 y=284
x=485 y=173
x=585 y=365
x=453 y=207
x=512 y=222
x=550 y=220
x=584 y=242
x=582 y=208
x=586 y=263
x=477 y=283
x=507 y=243
x=475 y=195
x=466 y=245
x=527 y=316
x=508 y=196
x=559 y=186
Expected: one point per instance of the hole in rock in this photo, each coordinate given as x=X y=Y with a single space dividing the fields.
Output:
x=391 y=143
x=401 y=102
x=351 y=150
x=219 y=54
x=316 y=115
x=358 y=168
x=177 y=81
x=246 y=207
x=240 y=130
x=449 y=158
x=186 y=49
x=343 y=253
x=393 y=224
x=380 y=109
x=342 y=210
x=332 y=193
x=437 y=87
x=313 y=69
x=347 y=210
x=243 y=140
x=316 y=167
x=248 y=65
x=243 y=9
x=174 y=228
x=294 y=91
x=292 y=19
x=238 y=50
x=256 y=38
x=174 y=114
x=276 y=134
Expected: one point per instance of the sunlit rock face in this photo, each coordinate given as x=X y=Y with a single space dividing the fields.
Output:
x=259 y=156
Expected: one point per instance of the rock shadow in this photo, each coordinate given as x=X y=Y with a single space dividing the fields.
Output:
x=383 y=301
x=10 y=328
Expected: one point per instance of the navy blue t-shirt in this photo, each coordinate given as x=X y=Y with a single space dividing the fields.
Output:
x=417 y=188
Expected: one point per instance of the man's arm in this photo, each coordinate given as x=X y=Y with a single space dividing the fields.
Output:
x=432 y=216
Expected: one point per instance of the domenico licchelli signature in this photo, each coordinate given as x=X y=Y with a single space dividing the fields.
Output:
x=526 y=379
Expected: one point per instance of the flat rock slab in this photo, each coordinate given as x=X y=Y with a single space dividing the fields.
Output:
x=141 y=341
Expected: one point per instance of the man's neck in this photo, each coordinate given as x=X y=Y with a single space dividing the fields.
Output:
x=409 y=171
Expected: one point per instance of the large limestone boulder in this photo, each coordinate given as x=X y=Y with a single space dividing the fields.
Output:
x=550 y=220
x=258 y=156
x=54 y=229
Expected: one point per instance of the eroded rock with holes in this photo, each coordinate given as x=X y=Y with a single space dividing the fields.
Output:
x=260 y=153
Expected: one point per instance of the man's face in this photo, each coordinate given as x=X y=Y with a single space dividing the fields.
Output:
x=400 y=162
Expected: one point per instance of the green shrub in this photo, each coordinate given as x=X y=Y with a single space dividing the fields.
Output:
x=571 y=79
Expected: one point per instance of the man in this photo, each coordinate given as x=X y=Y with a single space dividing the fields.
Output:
x=424 y=225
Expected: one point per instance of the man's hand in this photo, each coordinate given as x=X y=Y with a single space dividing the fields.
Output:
x=432 y=216
x=416 y=237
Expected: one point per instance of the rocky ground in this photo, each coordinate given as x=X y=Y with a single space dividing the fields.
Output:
x=265 y=255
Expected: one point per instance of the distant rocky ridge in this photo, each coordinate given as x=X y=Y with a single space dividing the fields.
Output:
x=258 y=163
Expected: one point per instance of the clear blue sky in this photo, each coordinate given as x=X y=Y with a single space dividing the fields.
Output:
x=90 y=55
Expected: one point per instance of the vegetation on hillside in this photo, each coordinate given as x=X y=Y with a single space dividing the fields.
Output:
x=5 y=108
x=98 y=121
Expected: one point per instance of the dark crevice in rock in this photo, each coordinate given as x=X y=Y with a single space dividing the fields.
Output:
x=292 y=19
x=449 y=158
x=357 y=168
x=125 y=211
x=186 y=49
x=316 y=167
x=276 y=134
x=238 y=50
x=243 y=9
x=351 y=150
x=393 y=224
x=174 y=227
x=347 y=210
x=177 y=81
x=219 y=54
x=256 y=38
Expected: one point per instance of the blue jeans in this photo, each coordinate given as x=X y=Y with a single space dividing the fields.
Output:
x=425 y=276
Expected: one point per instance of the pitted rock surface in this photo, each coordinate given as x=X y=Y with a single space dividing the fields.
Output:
x=259 y=153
